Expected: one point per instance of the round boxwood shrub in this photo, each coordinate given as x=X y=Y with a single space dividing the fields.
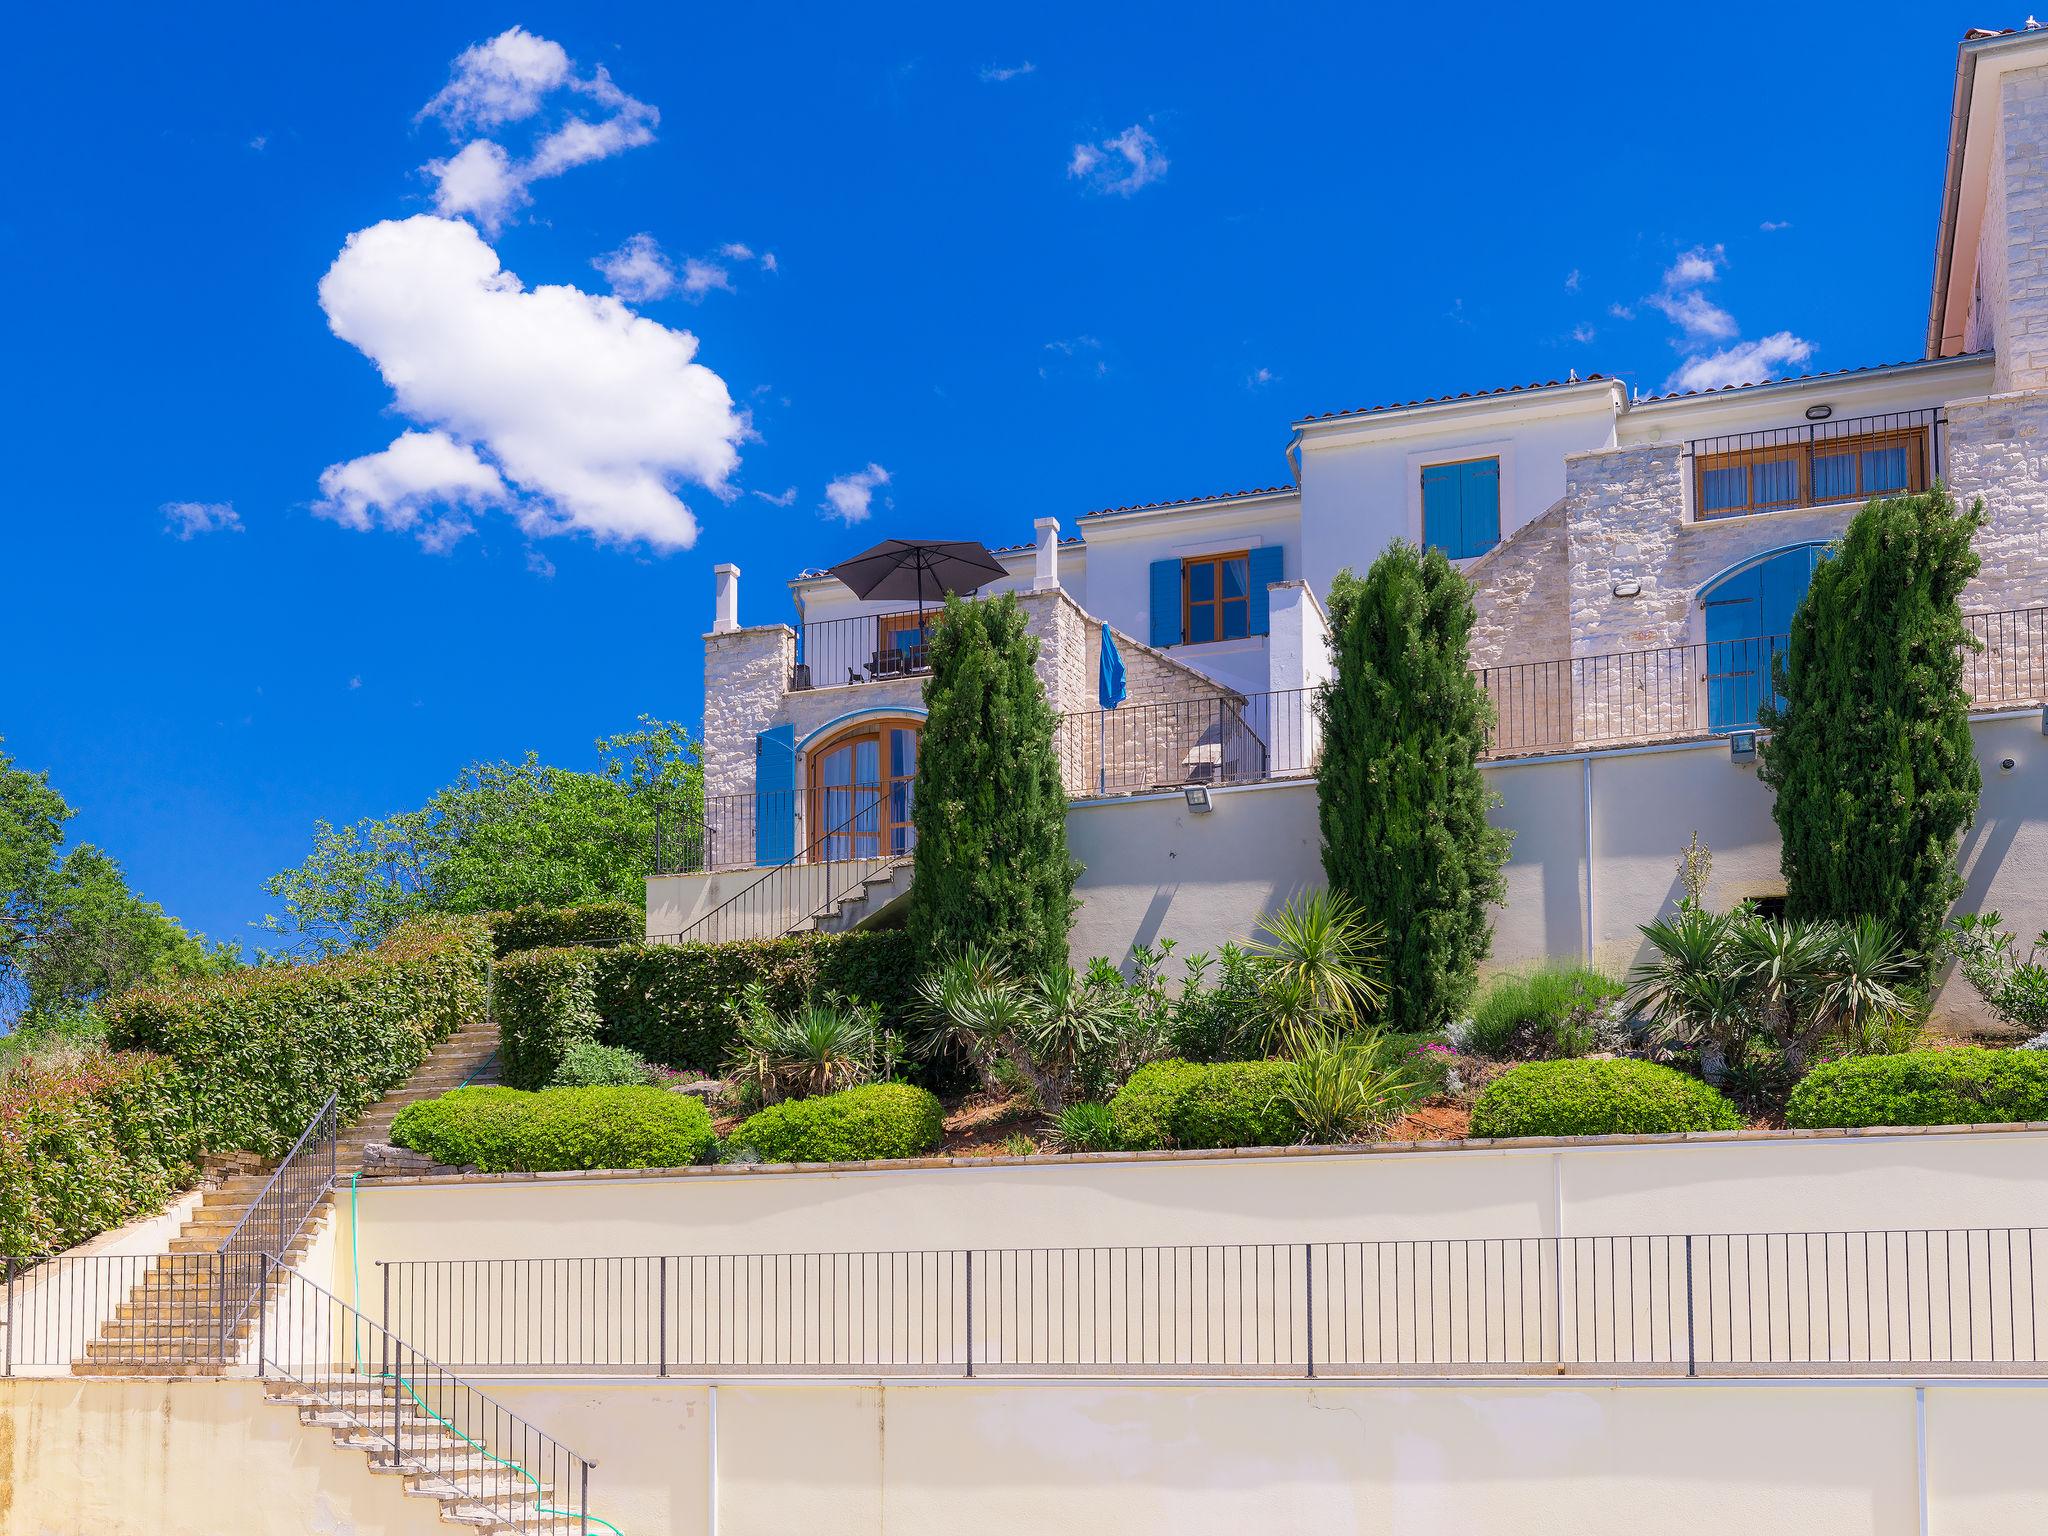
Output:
x=1197 y=1105
x=1599 y=1098
x=874 y=1121
x=505 y=1129
x=1970 y=1086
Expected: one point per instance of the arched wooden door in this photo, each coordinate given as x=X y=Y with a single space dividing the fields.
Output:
x=863 y=791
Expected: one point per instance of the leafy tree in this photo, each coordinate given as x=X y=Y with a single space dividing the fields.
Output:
x=71 y=931
x=1870 y=751
x=991 y=814
x=1399 y=793
x=503 y=834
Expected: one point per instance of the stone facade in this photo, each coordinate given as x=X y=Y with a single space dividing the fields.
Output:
x=1624 y=508
x=2013 y=277
x=746 y=673
x=1522 y=605
x=1998 y=449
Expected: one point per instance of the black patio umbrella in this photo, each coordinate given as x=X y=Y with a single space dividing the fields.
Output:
x=920 y=570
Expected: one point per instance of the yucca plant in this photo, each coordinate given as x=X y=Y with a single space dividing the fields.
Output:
x=1085 y=1128
x=1868 y=999
x=823 y=1046
x=1320 y=954
x=1340 y=1090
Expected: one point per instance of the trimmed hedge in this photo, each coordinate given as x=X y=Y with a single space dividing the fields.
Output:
x=1969 y=1086
x=504 y=1130
x=546 y=1005
x=537 y=927
x=86 y=1143
x=1193 y=1105
x=676 y=1004
x=874 y=1121
x=260 y=1049
x=1599 y=1098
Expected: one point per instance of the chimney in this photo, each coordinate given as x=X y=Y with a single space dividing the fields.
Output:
x=1046 y=574
x=726 y=617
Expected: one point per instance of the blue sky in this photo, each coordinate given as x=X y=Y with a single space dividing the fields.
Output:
x=1024 y=264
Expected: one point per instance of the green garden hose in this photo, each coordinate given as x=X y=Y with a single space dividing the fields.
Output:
x=356 y=1280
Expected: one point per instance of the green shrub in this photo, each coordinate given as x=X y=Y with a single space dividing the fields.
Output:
x=1599 y=1098
x=586 y=1064
x=1085 y=1128
x=546 y=1005
x=600 y=923
x=875 y=1121
x=677 y=1004
x=260 y=1049
x=1971 y=1086
x=88 y=1139
x=1217 y=1104
x=503 y=1129
x=1545 y=1014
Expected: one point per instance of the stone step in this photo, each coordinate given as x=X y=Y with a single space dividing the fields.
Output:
x=152 y=1368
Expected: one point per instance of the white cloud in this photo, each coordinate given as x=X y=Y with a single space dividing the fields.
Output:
x=637 y=270
x=701 y=277
x=1747 y=362
x=501 y=81
x=787 y=498
x=1084 y=351
x=507 y=80
x=189 y=519
x=768 y=263
x=1772 y=226
x=1696 y=266
x=594 y=414
x=1259 y=378
x=418 y=485
x=995 y=74
x=1582 y=333
x=850 y=498
x=540 y=565
x=1120 y=165
x=1621 y=311
x=1694 y=313
x=736 y=250
x=1571 y=281
x=354 y=683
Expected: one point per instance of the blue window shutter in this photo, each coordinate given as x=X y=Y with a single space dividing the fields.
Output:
x=1440 y=516
x=1480 y=498
x=1265 y=569
x=775 y=795
x=1165 y=629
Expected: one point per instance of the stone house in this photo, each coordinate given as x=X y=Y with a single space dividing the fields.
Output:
x=1636 y=559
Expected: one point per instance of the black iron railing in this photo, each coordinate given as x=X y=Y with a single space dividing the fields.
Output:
x=286 y=1204
x=1815 y=464
x=1226 y=739
x=870 y=648
x=1962 y=1301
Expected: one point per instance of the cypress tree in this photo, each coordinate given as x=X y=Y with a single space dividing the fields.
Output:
x=991 y=813
x=1870 y=753
x=1400 y=797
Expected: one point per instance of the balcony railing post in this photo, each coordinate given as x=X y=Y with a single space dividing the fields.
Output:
x=1308 y=1276
x=262 y=1311
x=970 y=1312
x=662 y=1311
x=10 y=1316
x=1691 y=1359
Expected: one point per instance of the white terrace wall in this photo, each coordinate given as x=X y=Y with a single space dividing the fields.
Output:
x=1154 y=869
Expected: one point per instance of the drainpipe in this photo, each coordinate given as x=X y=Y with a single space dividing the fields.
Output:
x=1586 y=775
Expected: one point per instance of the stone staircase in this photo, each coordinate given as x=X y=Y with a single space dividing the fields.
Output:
x=881 y=894
x=171 y=1323
x=473 y=1489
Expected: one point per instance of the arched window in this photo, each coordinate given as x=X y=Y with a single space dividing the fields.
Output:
x=862 y=791
x=1748 y=613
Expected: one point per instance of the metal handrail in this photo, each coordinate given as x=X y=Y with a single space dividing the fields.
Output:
x=1958 y=1301
x=325 y=1115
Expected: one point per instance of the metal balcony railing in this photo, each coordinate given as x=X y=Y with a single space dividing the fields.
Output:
x=1815 y=464
x=869 y=648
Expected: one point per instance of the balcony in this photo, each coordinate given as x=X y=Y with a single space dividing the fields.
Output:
x=1583 y=703
x=1820 y=464
x=869 y=648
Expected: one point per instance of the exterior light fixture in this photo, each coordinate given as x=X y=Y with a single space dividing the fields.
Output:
x=1629 y=588
x=1198 y=797
x=1819 y=412
x=1742 y=746
x=2044 y=719
x=2007 y=765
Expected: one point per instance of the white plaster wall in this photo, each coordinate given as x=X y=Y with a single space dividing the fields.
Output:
x=1152 y=868
x=1361 y=489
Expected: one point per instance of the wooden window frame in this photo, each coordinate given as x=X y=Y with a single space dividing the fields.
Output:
x=1802 y=455
x=1189 y=602
x=815 y=787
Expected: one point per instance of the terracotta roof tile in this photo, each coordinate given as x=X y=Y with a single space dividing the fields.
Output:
x=1468 y=394
x=1189 y=501
x=1801 y=378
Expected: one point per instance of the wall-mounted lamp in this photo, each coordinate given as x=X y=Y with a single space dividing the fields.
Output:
x=1819 y=412
x=2044 y=719
x=1198 y=796
x=1742 y=746
x=1629 y=588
